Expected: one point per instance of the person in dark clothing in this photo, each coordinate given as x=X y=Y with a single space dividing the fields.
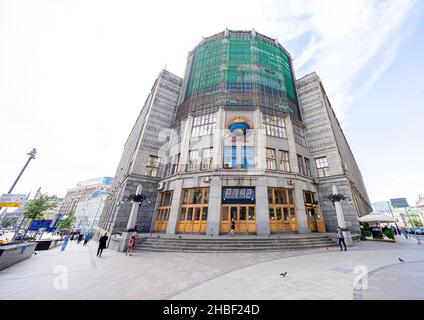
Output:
x=80 y=237
x=341 y=239
x=102 y=245
x=87 y=238
x=232 y=227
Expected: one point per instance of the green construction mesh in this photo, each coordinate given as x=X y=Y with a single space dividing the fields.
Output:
x=241 y=71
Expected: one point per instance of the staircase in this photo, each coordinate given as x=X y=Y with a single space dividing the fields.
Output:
x=166 y=243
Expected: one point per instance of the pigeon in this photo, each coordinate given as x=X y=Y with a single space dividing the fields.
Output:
x=401 y=260
x=283 y=274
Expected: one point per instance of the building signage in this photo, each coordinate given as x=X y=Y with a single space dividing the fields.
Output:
x=40 y=224
x=238 y=195
x=399 y=203
x=12 y=200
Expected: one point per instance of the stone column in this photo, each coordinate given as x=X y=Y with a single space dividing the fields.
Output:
x=341 y=220
x=123 y=245
x=262 y=208
x=302 y=219
x=294 y=167
x=214 y=209
x=185 y=143
x=260 y=141
x=175 y=206
x=217 y=139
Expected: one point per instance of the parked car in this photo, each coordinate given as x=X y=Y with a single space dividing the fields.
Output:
x=19 y=237
x=419 y=231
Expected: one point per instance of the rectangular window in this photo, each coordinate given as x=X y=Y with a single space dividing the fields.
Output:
x=230 y=157
x=174 y=164
x=299 y=135
x=322 y=167
x=193 y=160
x=270 y=159
x=308 y=167
x=301 y=165
x=284 y=161
x=207 y=157
x=152 y=166
x=203 y=125
x=248 y=158
x=275 y=126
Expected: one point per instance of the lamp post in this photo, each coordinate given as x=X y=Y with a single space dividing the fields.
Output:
x=31 y=155
x=136 y=199
x=336 y=199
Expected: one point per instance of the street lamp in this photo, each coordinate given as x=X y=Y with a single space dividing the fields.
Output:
x=31 y=155
x=336 y=199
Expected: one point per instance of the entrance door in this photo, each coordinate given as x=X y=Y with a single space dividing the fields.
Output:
x=244 y=216
x=312 y=221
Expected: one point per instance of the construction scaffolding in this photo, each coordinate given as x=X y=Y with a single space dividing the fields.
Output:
x=242 y=70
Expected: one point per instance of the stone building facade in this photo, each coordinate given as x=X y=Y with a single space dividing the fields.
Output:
x=143 y=145
x=245 y=141
x=325 y=138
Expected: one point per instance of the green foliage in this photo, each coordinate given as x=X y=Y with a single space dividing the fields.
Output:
x=36 y=208
x=366 y=233
x=389 y=234
x=68 y=223
x=416 y=223
x=8 y=222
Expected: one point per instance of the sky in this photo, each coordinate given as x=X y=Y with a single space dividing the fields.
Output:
x=75 y=74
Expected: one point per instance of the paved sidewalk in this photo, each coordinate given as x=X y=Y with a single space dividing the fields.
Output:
x=312 y=274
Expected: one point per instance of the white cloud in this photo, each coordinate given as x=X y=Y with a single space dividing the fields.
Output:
x=74 y=74
x=344 y=37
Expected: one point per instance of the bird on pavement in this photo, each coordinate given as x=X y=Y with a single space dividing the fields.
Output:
x=283 y=274
x=401 y=260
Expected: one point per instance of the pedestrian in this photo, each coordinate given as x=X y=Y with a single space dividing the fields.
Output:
x=87 y=238
x=65 y=242
x=341 y=239
x=80 y=237
x=102 y=245
x=232 y=227
x=131 y=244
x=405 y=233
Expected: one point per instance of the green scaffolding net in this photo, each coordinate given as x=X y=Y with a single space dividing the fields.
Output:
x=241 y=71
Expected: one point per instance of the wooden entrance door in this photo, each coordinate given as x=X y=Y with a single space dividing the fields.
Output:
x=244 y=215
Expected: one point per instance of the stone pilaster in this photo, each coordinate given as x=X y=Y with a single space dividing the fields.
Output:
x=302 y=219
x=177 y=186
x=262 y=209
x=215 y=190
x=294 y=167
x=185 y=143
x=217 y=139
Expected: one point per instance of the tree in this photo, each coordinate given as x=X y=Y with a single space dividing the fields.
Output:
x=8 y=222
x=36 y=208
x=68 y=223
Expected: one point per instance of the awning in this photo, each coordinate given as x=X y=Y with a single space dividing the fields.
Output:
x=378 y=217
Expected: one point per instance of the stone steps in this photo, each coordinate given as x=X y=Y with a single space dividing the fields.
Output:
x=232 y=244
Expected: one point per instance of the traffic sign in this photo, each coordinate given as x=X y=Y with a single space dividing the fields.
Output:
x=12 y=200
x=40 y=224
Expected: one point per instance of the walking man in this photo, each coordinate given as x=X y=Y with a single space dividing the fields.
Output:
x=102 y=245
x=87 y=238
x=65 y=242
x=341 y=239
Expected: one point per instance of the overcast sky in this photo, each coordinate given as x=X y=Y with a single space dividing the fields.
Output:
x=74 y=75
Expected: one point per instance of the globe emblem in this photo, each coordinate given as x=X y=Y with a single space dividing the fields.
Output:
x=239 y=127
